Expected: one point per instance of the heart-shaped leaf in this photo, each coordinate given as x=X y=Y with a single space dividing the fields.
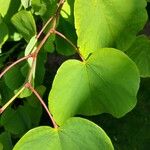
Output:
x=107 y=82
x=75 y=134
x=109 y=23
x=25 y=24
x=139 y=52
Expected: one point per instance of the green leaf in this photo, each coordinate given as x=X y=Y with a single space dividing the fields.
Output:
x=8 y=9
x=16 y=122
x=33 y=107
x=4 y=32
x=132 y=131
x=31 y=45
x=139 y=52
x=112 y=23
x=40 y=69
x=25 y=24
x=25 y=93
x=6 y=55
x=75 y=134
x=3 y=90
x=66 y=20
x=106 y=83
x=5 y=140
x=62 y=46
x=49 y=44
x=67 y=11
x=1 y=146
x=44 y=8
x=26 y=116
x=26 y=3
x=24 y=71
x=34 y=110
x=5 y=8
x=30 y=48
x=13 y=78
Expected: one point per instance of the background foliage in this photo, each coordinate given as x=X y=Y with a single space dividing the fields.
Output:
x=20 y=20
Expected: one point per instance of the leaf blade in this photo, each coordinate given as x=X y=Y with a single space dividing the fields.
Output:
x=65 y=137
x=25 y=24
x=84 y=92
x=110 y=23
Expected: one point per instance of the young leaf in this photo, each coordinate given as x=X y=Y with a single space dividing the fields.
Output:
x=31 y=47
x=75 y=134
x=4 y=32
x=66 y=19
x=139 y=52
x=25 y=24
x=110 y=23
x=5 y=141
x=44 y=8
x=67 y=11
x=26 y=3
x=107 y=82
x=5 y=8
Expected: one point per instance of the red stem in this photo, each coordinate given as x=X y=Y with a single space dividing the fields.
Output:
x=34 y=56
x=15 y=63
x=64 y=37
x=28 y=85
x=50 y=19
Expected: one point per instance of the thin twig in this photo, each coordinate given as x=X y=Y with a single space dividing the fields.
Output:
x=64 y=37
x=33 y=66
x=54 y=19
x=51 y=31
x=43 y=41
x=50 y=19
x=15 y=63
x=11 y=100
x=28 y=85
x=30 y=76
x=61 y=2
